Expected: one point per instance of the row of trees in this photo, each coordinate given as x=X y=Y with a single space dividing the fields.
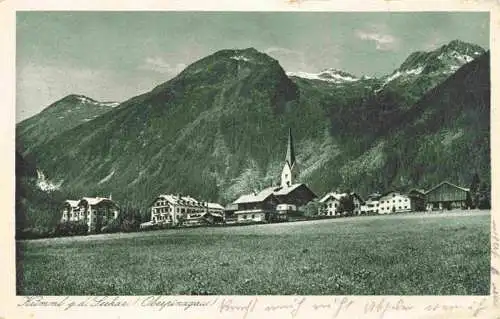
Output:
x=479 y=194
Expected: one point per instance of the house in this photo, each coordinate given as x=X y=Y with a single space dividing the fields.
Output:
x=229 y=211
x=262 y=206
x=70 y=211
x=257 y=207
x=371 y=205
x=330 y=203
x=393 y=202
x=417 y=199
x=446 y=195
x=176 y=209
x=97 y=212
x=358 y=203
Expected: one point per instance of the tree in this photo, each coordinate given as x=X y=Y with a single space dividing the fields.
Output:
x=346 y=205
x=484 y=197
x=313 y=208
x=474 y=191
x=180 y=220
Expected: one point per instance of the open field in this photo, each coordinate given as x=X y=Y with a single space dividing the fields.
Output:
x=418 y=254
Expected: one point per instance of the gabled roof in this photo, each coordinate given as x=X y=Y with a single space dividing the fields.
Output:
x=177 y=200
x=338 y=196
x=72 y=203
x=446 y=182
x=255 y=198
x=231 y=206
x=266 y=192
x=392 y=191
x=358 y=196
x=280 y=191
x=188 y=201
x=374 y=196
x=94 y=200
x=215 y=206
x=419 y=191
x=334 y=195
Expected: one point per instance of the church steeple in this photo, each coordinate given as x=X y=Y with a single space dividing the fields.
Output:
x=290 y=153
x=289 y=172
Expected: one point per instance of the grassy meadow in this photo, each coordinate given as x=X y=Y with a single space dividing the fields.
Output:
x=418 y=254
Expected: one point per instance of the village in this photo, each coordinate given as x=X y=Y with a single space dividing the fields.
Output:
x=281 y=203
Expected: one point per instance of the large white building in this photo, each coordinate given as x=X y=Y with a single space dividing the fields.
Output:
x=176 y=209
x=394 y=202
x=96 y=212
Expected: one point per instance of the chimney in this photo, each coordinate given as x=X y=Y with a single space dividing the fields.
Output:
x=110 y=196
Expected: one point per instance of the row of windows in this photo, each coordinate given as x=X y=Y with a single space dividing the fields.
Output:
x=388 y=201
x=245 y=216
x=181 y=202
x=389 y=208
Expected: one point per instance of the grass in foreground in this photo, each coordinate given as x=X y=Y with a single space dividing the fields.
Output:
x=386 y=255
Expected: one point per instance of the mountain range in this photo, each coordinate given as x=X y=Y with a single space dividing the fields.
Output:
x=219 y=129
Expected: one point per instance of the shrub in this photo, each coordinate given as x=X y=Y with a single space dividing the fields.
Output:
x=130 y=225
x=71 y=228
x=113 y=226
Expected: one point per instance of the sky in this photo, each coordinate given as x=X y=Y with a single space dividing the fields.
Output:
x=113 y=56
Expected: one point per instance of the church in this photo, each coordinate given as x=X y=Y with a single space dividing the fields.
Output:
x=276 y=202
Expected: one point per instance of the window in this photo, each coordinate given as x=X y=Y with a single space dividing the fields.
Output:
x=393 y=195
x=244 y=216
x=253 y=216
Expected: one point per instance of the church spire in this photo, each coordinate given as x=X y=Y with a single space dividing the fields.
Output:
x=290 y=153
x=289 y=172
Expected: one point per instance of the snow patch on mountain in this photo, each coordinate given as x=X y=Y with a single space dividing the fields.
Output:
x=107 y=178
x=332 y=76
x=397 y=74
x=240 y=58
x=459 y=57
x=110 y=104
x=86 y=100
x=45 y=184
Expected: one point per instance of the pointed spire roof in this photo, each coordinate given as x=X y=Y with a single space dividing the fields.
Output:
x=290 y=152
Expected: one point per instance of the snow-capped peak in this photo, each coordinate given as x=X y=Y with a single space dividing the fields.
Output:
x=328 y=75
x=86 y=100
